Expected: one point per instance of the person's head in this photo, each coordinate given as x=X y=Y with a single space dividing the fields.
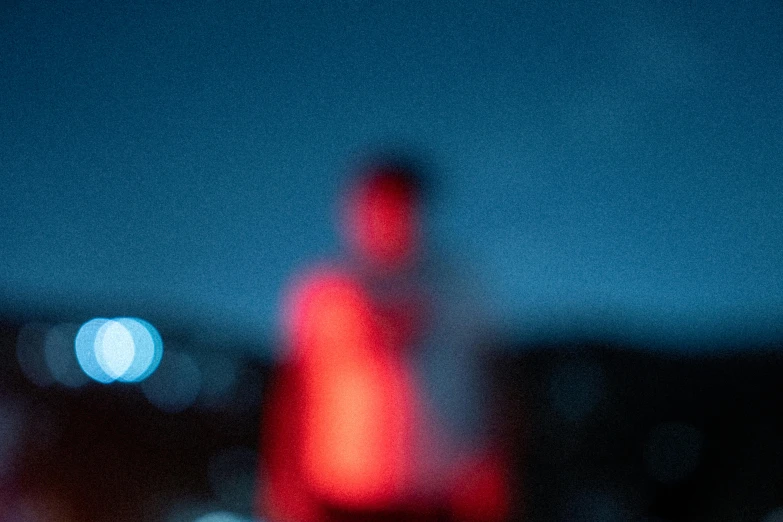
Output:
x=381 y=216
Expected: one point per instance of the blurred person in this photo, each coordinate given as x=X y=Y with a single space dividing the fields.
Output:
x=379 y=409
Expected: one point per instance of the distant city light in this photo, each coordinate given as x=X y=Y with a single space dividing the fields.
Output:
x=175 y=385
x=221 y=516
x=125 y=349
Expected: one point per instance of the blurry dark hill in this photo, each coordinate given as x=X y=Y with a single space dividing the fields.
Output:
x=611 y=433
x=600 y=432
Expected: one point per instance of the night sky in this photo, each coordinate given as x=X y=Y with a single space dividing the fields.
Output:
x=599 y=163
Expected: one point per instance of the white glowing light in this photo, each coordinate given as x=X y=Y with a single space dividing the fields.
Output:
x=124 y=349
x=143 y=349
x=85 y=350
x=114 y=348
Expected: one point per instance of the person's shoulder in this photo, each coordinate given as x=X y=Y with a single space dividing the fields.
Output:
x=319 y=280
x=322 y=304
x=320 y=288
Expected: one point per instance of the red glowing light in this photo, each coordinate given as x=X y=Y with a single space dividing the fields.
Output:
x=356 y=446
x=352 y=397
x=283 y=495
x=481 y=493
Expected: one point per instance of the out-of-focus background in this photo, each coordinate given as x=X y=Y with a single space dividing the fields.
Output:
x=609 y=172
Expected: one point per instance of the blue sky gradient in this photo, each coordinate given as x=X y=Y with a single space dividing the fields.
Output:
x=616 y=163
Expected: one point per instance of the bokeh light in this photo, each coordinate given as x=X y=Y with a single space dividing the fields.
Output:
x=175 y=384
x=125 y=349
x=60 y=357
x=148 y=349
x=221 y=516
x=114 y=348
x=84 y=345
x=193 y=510
x=30 y=354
